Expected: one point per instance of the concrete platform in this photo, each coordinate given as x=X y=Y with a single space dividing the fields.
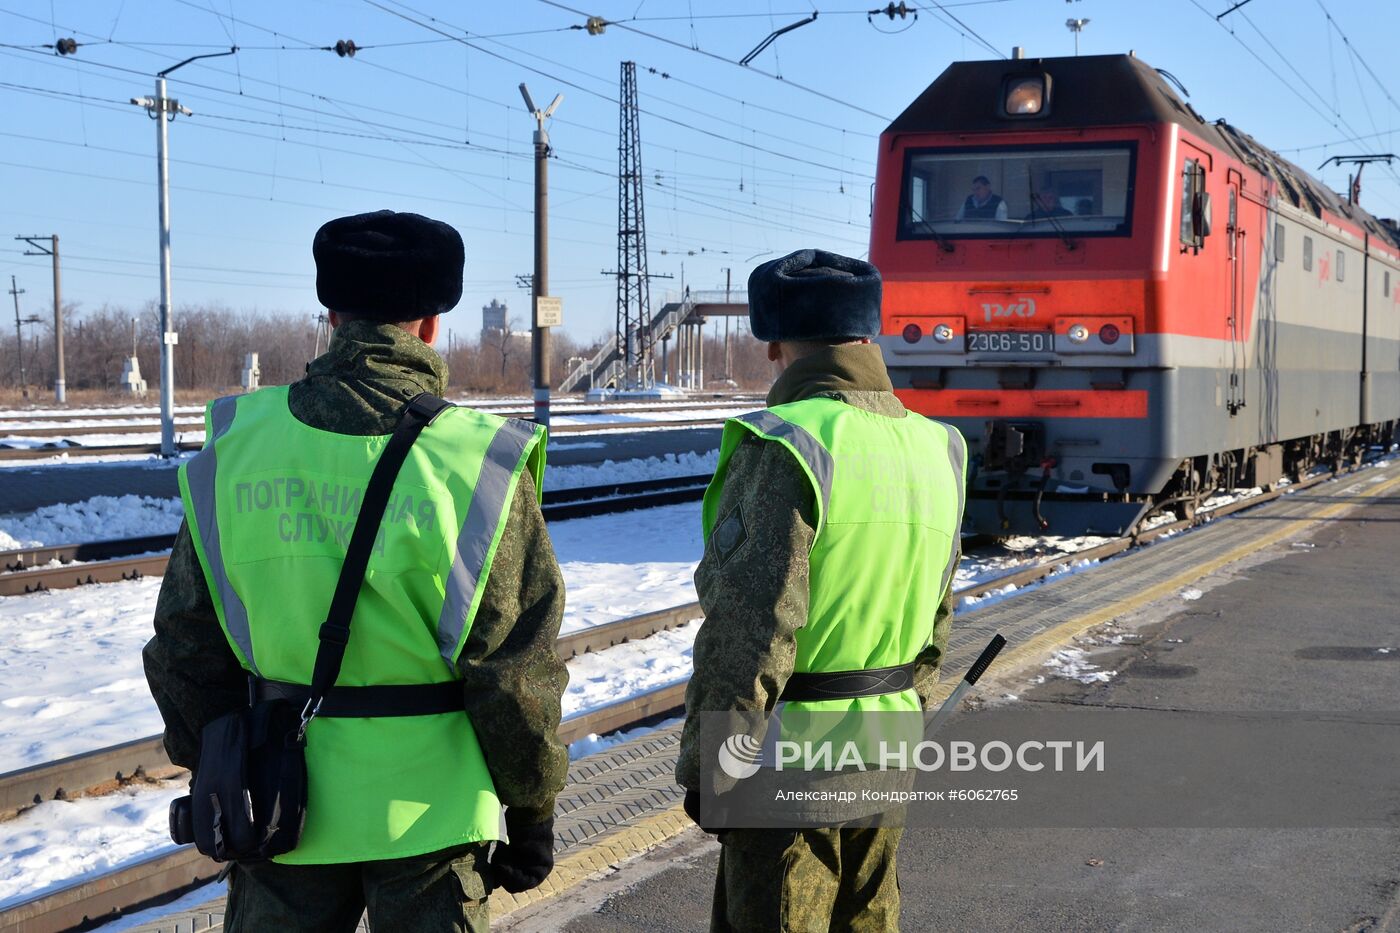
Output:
x=1276 y=628
x=1270 y=632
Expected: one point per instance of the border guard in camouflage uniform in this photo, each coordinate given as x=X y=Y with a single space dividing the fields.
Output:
x=463 y=585
x=831 y=532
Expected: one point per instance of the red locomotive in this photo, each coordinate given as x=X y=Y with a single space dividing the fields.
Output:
x=1121 y=305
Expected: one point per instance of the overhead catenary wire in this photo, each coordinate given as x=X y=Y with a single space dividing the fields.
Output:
x=680 y=45
x=839 y=170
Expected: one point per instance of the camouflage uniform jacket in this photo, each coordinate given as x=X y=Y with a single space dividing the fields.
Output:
x=511 y=675
x=755 y=598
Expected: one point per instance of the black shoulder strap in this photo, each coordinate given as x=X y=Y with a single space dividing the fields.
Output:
x=335 y=631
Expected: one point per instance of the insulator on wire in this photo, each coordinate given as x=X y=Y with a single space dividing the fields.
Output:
x=892 y=10
x=66 y=46
x=345 y=48
x=596 y=25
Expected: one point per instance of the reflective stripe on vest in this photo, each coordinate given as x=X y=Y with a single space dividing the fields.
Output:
x=814 y=457
x=202 y=473
x=891 y=493
x=497 y=479
x=957 y=458
x=271 y=503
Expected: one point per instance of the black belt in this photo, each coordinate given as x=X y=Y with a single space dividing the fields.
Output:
x=847 y=685
x=358 y=702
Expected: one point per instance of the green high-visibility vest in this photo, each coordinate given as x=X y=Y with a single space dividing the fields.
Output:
x=889 y=501
x=271 y=503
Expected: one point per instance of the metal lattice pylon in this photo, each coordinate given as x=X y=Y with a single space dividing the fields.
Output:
x=633 y=293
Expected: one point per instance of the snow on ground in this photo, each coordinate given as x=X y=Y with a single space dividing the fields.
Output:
x=70 y=660
x=98 y=518
x=601 y=677
x=628 y=471
x=70 y=671
x=617 y=566
x=59 y=842
x=1073 y=664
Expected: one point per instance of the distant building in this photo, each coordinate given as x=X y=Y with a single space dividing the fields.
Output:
x=494 y=321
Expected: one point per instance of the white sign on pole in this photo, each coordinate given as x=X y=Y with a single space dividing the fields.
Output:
x=549 y=312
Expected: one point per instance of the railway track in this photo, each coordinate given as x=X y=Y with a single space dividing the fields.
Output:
x=92 y=424
x=163 y=876
x=40 y=453
x=505 y=410
x=127 y=559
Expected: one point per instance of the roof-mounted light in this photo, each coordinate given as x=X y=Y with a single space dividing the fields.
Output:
x=1025 y=96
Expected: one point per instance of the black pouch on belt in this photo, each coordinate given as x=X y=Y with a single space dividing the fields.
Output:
x=249 y=795
x=249 y=798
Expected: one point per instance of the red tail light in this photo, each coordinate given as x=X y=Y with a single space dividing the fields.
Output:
x=913 y=333
x=1109 y=333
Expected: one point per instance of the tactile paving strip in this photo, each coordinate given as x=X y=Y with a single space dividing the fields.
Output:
x=623 y=801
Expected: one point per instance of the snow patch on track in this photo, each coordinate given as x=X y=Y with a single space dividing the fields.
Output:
x=97 y=519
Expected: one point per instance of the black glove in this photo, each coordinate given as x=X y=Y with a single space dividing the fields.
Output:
x=527 y=859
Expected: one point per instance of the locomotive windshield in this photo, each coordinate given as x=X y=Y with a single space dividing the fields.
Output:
x=1022 y=191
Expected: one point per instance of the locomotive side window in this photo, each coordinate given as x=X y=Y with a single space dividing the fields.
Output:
x=1307 y=254
x=1341 y=266
x=1020 y=191
x=1278 y=242
x=1195 y=211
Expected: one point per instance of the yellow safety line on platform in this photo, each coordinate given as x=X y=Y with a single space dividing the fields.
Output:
x=607 y=852
x=1042 y=644
x=576 y=867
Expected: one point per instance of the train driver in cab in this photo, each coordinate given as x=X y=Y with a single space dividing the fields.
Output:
x=1047 y=203
x=982 y=203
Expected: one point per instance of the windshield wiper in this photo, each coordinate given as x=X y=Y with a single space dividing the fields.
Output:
x=1070 y=245
x=943 y=242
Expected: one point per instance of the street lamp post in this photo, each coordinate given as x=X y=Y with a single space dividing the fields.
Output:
x=539 y=282
x=162 y=110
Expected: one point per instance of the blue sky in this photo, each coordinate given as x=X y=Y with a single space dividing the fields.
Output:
x=741 y=166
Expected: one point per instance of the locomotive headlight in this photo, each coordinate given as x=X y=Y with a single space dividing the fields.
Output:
x=1025 y=96
x=1078 y=333
x=913 y=333
x=943 y=333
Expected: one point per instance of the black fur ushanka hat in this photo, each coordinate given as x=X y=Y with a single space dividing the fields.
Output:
x=814 y=295
x=388 y=266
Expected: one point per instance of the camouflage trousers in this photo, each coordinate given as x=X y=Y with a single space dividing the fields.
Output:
x=807 y=881
x=444 y=892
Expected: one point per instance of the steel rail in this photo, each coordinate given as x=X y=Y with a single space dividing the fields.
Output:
x=495 y=408
x=31 y=557
x=93 y=424
x=117 y=570
x=39 y=453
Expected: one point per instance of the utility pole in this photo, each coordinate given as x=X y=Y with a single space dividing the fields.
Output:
x=19 y=337
x=162 y=110
x=539 y=280
x=60 y=393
